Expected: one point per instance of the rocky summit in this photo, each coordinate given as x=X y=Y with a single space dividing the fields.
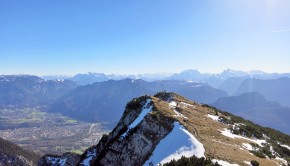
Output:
x=167 y=128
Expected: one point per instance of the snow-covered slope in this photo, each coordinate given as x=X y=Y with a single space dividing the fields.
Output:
x=182 y=143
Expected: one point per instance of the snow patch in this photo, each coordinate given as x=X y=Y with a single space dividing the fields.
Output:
x=145 y=110
x=173 y=104
x=224 y=163
x=225 y=143
x=242 y=124
x=56 y=161
x=286 y=146
x=186 y=104
x=179 y=114
x=273 y=152
x=87 y=161
x=228 y=133
x=248 y=146
x=179 y=142
x=260 y=142
x=89 y=157
x=143 y=113
x=282 y=160
x=247 y=162
x=216 y=118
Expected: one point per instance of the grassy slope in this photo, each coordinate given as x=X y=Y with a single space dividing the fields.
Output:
x=219 y=146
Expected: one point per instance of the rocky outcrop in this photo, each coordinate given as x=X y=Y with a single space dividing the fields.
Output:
x=128 y=144
x=67 y=159
x=11 y=160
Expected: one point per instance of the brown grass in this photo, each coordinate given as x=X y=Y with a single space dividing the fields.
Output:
x=207 y=131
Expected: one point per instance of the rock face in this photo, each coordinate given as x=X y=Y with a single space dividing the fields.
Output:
x=10 y=160
x=13 y=155
x=134 y=138
x=157 y=129
x=67 y=159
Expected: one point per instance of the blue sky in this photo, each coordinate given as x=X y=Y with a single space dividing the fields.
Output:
x=129 y=37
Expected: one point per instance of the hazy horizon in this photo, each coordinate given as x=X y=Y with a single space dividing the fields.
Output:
x=153 y=73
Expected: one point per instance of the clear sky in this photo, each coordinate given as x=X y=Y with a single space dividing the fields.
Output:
x=133 y=36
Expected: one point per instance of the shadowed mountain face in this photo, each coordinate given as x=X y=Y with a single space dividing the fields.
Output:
x=238 y=104
x=232 y=84
x=276 y=118
x=275 y=89
x=104 y=101
x=100 y=101
x=29 y=91
x=253 y=106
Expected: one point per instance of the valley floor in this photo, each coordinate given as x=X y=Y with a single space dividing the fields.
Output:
x=48 y=133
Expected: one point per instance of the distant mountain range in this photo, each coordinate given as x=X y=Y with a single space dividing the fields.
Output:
x=29 y=91
x=214 y=80
x=253 y=106
x=90 y=77
x=272 y=89
x=237 y=104
x=102 y=101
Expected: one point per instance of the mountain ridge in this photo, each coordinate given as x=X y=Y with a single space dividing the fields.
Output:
x=213 y=79
x=225 y=138
x=27 y=91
